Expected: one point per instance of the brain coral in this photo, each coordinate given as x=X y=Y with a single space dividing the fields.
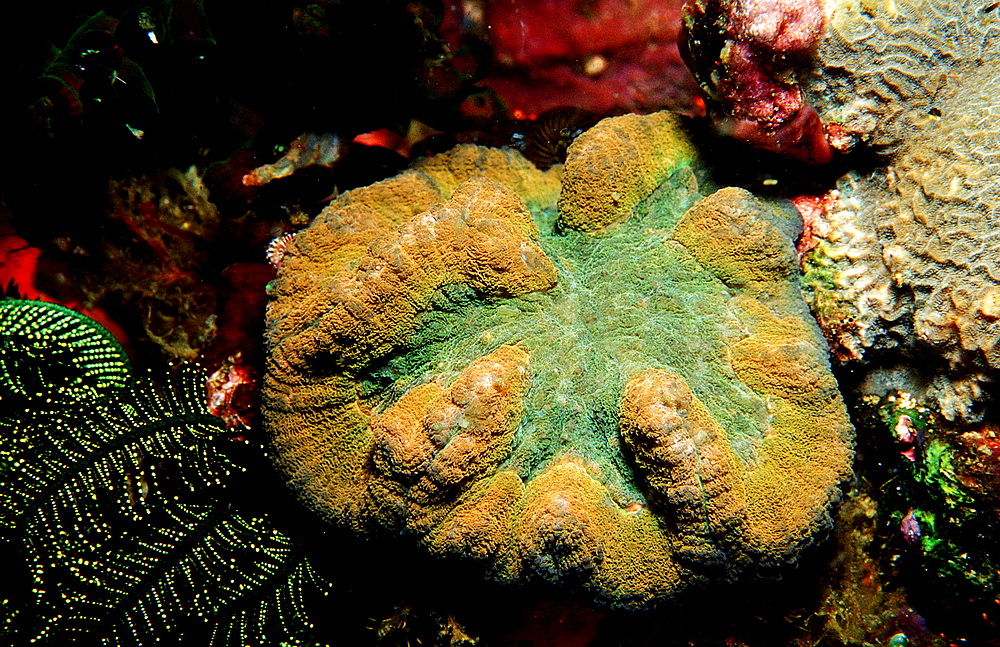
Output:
x=626 y=413
x=909 y=259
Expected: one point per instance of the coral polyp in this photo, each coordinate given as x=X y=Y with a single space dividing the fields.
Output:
x=627 y=412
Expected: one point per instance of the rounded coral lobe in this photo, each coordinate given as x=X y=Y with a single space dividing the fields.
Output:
x=627 y=411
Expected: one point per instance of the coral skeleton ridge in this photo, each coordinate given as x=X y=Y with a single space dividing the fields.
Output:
x=627 y=408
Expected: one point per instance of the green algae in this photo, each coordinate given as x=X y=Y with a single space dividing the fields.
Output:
x=955 y=530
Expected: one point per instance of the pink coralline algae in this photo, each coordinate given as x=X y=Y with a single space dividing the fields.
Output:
x=230 y=392
x=743 y=53
x=778 y=25
x=605 y=56
x=908 y=437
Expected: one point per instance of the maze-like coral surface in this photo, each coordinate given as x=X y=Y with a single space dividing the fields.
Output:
x=911 y=249
x=888 y=68
x=628 y=412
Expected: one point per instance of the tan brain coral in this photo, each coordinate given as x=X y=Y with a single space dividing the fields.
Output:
x=685 y=458
x=908 y=258
x=617 y=412
x=431 y=441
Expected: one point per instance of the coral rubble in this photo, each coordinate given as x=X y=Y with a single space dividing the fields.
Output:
x=628 y=411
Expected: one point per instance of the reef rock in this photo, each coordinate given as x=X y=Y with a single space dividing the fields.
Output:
x=604 y=56
x=627 y=412
x=744 y=54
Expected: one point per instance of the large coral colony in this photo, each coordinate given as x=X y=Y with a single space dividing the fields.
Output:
x=621 y=394
x=610 y=378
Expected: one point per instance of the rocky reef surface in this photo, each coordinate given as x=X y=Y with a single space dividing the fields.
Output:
x=912 y=243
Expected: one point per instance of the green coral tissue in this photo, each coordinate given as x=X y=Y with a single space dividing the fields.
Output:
x=617 y=391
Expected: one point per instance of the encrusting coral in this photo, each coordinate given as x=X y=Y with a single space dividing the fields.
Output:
x=627 y=411
x=906 y=256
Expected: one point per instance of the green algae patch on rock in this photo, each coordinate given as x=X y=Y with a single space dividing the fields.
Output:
x=944 y=501
x=626 y=412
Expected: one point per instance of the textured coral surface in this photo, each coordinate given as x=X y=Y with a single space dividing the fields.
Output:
x=616 y=164
x=909 y=254
x=628 y=412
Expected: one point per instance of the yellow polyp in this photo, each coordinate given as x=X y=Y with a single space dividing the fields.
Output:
x=734 y=234
x=565 y=525
x=808 y=441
